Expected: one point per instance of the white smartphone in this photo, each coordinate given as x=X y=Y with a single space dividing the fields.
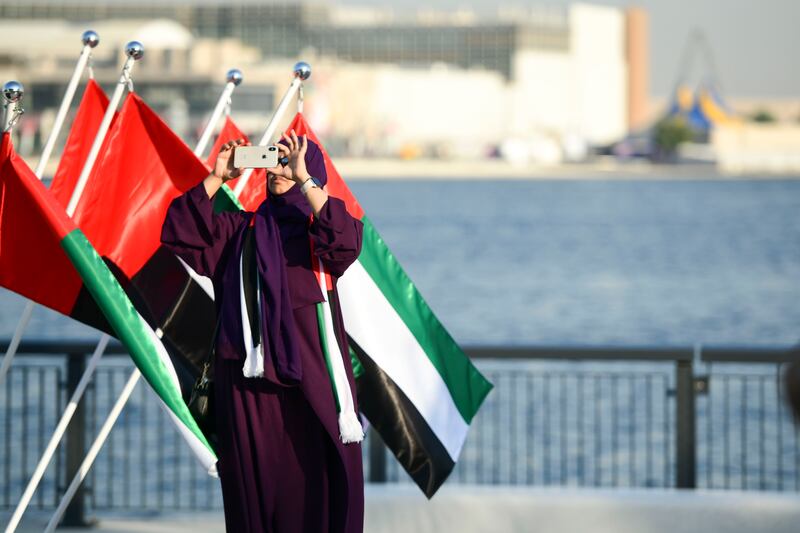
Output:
x=255 y=156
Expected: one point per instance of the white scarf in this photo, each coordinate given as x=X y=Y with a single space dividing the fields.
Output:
x=350 y=429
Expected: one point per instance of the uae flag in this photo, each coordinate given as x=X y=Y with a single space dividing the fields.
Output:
x=45 y=257
x=415 y=385
x=143 y=166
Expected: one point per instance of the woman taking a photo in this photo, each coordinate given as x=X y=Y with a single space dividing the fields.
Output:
x=287 y=461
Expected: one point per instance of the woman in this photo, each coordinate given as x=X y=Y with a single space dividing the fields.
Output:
x=282 y=461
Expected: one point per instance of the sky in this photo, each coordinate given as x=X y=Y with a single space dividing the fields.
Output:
x=755 y=43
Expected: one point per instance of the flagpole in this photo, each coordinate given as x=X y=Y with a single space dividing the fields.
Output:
x=234 y=78
x=134 y=50
x=94 y=449
x=302 y=71
x=90 y=40
x=12 y=93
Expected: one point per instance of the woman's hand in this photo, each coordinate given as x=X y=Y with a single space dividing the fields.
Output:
x=295 y=150
x=223 y=168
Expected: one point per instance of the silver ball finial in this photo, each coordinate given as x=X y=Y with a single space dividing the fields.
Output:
x=13 y=91
x=302 y=70
x=90 y=38
x=134 y=49
x=234 y=76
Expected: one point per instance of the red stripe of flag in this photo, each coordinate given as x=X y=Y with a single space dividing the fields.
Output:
x=81 y=136
x=32 y=261
x=143 y=168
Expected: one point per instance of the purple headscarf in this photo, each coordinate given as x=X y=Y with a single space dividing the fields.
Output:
x=283 y=256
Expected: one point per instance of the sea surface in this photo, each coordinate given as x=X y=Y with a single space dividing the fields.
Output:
x=599 y=262
x=582 y=262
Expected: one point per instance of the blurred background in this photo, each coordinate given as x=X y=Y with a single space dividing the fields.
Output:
x=599 y=200
x=527 y=83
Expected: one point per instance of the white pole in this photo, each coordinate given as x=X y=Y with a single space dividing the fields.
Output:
x=9 y=111
x=56 y=438
x=12 y=93
x=90 y=40
x=301 y=73
x=301 y=98
x=218 y=110
x=94 y=450
x=15 y=340
x=134 y=50
x=235 y=78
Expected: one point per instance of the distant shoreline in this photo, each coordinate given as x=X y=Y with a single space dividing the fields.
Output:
x=603 y=169
x=351 y=168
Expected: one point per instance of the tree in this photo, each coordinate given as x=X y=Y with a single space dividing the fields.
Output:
x=670 y=133
x=763 y=116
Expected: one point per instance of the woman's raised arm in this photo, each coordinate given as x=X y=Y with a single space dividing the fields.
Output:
x=192 y=230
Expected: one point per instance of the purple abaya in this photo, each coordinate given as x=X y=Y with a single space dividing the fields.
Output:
x=282 y=465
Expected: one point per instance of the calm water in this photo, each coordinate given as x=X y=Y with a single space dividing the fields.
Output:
x=586 y=262
x=600 y=262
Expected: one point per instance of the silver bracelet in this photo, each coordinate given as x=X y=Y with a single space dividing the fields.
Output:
x=310 y=183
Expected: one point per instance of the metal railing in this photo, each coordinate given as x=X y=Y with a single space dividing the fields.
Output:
x=693 y=417
x=578 y=416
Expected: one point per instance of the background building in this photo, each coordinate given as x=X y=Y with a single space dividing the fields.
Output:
x=533 y=84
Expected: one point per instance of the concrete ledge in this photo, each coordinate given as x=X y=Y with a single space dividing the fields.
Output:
x=481 y=509
x=467 y=509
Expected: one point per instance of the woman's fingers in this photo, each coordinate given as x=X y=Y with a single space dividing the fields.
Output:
x=289 y=142
x=303 y=146
x=283 y=149
x=232 y=144
x=295 y=141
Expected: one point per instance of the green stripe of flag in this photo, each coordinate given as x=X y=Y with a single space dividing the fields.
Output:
x=227 y=201
x=466 y=385
x=128 y=325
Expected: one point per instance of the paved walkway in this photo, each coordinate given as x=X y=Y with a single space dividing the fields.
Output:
x=464 y=509
x=205 y=523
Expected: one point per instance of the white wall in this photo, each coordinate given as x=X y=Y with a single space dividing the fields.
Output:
x=553 y=96
x=582 y=92
x=597 y=41
x=757 y=148
x=543 y=93
x=458 y=110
